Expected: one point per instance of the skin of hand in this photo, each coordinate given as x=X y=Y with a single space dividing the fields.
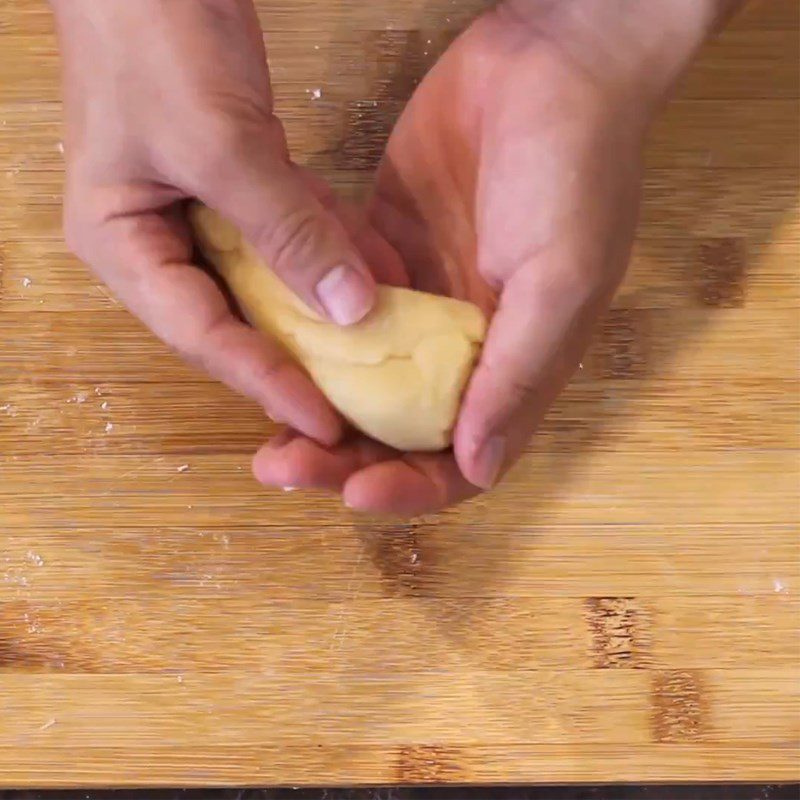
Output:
x=166 y=101
x=512 y=179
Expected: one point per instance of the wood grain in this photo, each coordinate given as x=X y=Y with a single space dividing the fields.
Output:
x=624 y=608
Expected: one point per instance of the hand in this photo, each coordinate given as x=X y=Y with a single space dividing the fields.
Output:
x=169 y=101
x=512 y=179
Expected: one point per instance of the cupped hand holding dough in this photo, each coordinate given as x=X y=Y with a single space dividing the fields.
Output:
x=398 y=375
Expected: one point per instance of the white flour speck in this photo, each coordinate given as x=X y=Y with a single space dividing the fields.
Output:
x=778 y=585
x=109 y=427
x=26 y=282
x=32 y=624
x=315 y=93
x=183 y=468
x=110 y=297
x=34 y=558
x=104 y=405
x=49 y=724
x=12 y=578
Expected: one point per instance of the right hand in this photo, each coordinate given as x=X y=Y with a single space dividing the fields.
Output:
x=170 y=101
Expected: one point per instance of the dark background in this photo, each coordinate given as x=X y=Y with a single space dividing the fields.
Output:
x=716 y=792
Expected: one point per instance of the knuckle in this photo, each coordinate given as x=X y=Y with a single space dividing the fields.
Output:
x=267 y=371
x=219 y=140
x=519 y=380
x=203 y=345
x=221 y=350
x=290 y=239
x=225 y=143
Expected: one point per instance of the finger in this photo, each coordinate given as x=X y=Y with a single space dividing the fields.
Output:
x=144 y=260
x=291 y=461
x=536 y=339
x=402 y=228
x=384 y=261
x=415 y=485
x=297 y=236
x=370 y=476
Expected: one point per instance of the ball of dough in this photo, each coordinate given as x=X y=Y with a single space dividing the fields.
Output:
x=398 y=375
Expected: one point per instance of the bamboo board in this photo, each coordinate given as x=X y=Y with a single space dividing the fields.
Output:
x=624 y=608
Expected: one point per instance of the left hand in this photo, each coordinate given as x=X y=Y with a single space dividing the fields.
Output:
x=512 y=179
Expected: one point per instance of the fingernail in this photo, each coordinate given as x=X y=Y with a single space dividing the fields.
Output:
x=492 y=457
x=345 y=295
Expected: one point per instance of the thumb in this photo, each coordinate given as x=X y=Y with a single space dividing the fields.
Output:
x=303 y=242
x=536 y=339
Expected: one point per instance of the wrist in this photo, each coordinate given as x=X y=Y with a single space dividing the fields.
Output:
x=125 y=12
x=637 y=48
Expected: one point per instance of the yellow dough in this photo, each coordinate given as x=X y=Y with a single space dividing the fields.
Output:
x=398 y=375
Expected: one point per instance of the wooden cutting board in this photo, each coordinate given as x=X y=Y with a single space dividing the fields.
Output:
x=624 y=608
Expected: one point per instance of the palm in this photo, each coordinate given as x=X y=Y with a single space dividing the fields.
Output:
x=498 y=182
x=493 y=160
x=426 y=187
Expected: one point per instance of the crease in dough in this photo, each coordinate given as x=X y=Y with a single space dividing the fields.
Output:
x=398 y=375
